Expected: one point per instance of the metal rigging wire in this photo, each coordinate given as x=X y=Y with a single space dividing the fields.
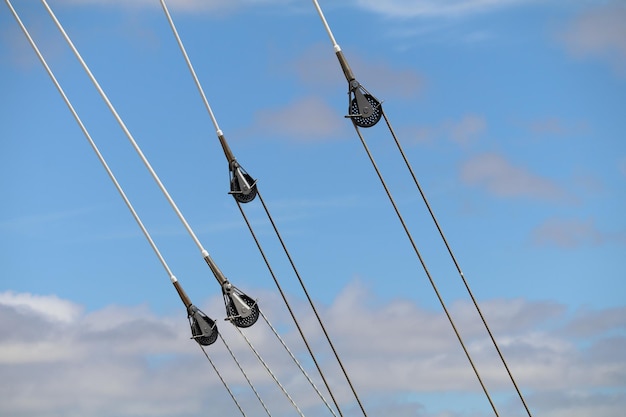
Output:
x=296 y=322
x=239 y=198
x=455 y=261
x=365 y=111
x=224 y=382
x=295 y=360
x=269 y=371
x=310 y=300
x=241 y=308
x=202 y=339
x=245 y=375
x=423 y=263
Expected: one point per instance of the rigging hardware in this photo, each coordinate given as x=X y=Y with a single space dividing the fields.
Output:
x=205 y=254
x=203 y=329
x=241 y=197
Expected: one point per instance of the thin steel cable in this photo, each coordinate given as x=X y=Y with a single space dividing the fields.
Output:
x=423 y=263
x=295 y=360
x=245 y=375
x=222 y=379
x=269 y=371
x=291 y=312
x=111 y=176
x=310 y=300
x=219 y=132
x=454 y=260
x=126 y=131
x=337 y=48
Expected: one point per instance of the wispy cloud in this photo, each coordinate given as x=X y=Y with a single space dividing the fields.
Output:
x=130 y=361
x=555 y=126
x=571 y=233
x=464 y=131
x=18 y=51
x=181 y=5
x=212 y=8
x=590 y=322
x=467 y=129
x=430 y=8
x=389 y=8
x=621 y=166
x=34 y=222
x=500 y=177
x=307 y=119
x=318 y=67
x=600 y=33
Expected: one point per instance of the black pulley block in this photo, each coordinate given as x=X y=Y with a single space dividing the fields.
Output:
x=236 y=189
x=366 y=117
x=203 y=329
x=238 y=320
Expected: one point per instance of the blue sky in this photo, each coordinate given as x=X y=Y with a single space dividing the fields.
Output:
x=511 y=113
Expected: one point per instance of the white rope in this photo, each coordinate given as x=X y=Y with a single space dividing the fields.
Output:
x=126 y=131
x=92 y=143
x=111 y=176
x=306 y=375
x=269 y=371
x=330 y=33
x=219 y=132
x=193 y=72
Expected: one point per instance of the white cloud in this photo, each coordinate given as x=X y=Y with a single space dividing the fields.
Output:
x=129 y=361
x=429 y=8
x=556 y=126
x=571 y=233
x=621 y=166
x=503 y=179
x=319 y=67
x=599 y=32
x=214 y=6
x=588 y=322
x=308 y=119
x=49 y=307
x=390 y=8
x=467 y=129
x=464 y=131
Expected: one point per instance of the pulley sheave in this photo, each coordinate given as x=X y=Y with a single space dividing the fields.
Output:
x=241 y=309
x=365 y=110
x=243 y=187
x=203 y=329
